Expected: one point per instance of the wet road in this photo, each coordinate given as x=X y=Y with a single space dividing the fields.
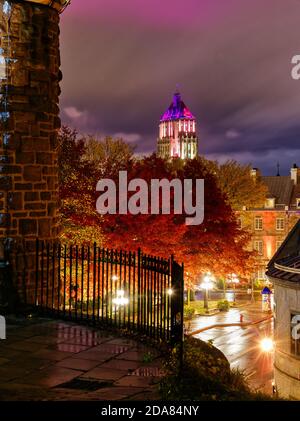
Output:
x=241 y=345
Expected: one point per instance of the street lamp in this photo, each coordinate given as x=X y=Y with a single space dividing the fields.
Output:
x=267 y=345
x=234 y=280
x=207 y=285
x=120 y=299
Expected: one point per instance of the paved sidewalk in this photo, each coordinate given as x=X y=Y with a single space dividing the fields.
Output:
x=52 y=360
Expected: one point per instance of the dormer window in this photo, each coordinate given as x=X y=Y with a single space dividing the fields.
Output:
x=270 y=203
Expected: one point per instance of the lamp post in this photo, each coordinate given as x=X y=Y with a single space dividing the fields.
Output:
x=234 y=280
x=207 y=285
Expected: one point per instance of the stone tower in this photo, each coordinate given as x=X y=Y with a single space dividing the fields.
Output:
x=29 y=122
x=177 y=132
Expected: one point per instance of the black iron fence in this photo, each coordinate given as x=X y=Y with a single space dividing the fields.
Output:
x=123 y=289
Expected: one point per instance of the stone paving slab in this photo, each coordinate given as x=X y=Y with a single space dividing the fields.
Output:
x=52 y=360
x=101 y=373
x=78 y=364
x=121 y=364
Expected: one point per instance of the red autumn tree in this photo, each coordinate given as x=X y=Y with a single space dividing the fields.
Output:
x=79 y=220
x=217 y=245
x=82 y=162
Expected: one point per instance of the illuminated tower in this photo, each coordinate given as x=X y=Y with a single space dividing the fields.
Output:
x=177 y=132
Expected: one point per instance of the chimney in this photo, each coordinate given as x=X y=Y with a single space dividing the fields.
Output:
x=255 y=173
x=295 y=174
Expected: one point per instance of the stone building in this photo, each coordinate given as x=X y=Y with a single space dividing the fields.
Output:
x=284 y=273
x=270 y=224
x=177 y=132
x=29 y=122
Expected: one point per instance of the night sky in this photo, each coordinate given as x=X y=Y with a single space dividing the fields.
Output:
x=122 y=60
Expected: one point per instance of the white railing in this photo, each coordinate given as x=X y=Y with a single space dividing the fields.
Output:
x=286 y=268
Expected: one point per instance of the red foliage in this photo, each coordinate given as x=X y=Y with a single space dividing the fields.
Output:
x=216 y=245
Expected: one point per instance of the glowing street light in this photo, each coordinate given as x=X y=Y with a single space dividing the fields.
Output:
x=207 y=285
x=267 y=345
x=170 y=291
x=120 y=299
x=114 y=278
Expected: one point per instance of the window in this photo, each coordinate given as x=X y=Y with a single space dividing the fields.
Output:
x=239 y=223
x=295 y=334
x=258 y=224
x=280 y=224
x=261 y=273
x=258 y=246
x=278 y=244
x=270 y=203
x=298 y=203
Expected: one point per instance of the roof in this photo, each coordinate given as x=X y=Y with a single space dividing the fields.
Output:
x=296 y=193
x=285 y=264
x=281 y=188
x=177 y=110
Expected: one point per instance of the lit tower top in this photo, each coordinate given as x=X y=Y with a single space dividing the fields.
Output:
x=177 y=132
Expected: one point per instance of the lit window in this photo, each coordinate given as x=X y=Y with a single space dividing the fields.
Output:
x=258 y=225
x=298 y=203
x=279 y=224
x=278 y=244
x=261 y=273
x=270 y=203
x=258 y=246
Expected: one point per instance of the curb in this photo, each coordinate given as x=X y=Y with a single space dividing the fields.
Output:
x=244 y=324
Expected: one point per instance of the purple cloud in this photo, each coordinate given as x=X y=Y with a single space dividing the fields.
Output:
x=122 y=59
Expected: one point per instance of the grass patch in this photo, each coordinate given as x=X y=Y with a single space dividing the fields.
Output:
x=198 y=306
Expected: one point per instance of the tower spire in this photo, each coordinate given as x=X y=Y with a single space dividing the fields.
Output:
x=177 y=131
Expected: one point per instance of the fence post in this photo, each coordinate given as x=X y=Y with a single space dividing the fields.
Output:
x=177 y=303
x=139 y=290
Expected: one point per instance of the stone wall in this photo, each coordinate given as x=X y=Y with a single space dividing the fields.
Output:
x=29 y=95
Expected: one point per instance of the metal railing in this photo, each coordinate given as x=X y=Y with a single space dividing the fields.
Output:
x=121 y=289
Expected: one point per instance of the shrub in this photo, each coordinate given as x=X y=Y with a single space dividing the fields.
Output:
x=189 y=312
x=204 y=375
x=223 y=305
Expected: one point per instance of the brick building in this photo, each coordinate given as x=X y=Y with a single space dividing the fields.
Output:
x=269 y=225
